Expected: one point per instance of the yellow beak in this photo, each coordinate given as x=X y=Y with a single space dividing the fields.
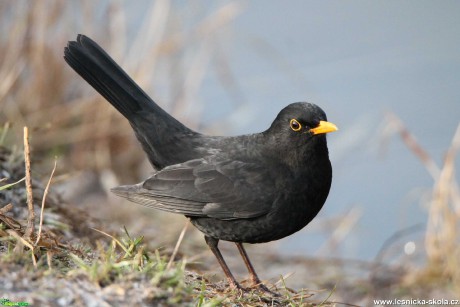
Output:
x=324 y=127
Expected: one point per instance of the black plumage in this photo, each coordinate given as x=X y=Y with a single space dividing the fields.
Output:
x=246 y=189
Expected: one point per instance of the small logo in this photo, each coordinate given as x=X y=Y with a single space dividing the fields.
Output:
x=7 y=302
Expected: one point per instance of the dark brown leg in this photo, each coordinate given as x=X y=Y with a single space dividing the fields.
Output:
x=212 y=243
x=255 y=281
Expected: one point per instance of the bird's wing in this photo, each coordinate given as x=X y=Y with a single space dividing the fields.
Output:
x=225 y=189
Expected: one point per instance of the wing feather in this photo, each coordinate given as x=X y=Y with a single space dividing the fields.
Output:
x=225 y=189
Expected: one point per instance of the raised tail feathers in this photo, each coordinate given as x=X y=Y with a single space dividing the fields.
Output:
x=94 y=65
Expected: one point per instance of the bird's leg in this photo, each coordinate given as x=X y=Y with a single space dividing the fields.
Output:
x=255 y=281
x=252 y=273
x=212 y=243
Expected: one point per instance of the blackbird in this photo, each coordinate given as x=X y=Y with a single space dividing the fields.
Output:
x=251 y=188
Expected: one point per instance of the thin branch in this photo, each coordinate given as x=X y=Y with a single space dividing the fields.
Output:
x=411 y=142
x=24 y=242
x=176 y=248
x=45 y=193
x=31 y=216
x=6 y=208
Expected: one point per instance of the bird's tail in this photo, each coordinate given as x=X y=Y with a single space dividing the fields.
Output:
x=91 y=62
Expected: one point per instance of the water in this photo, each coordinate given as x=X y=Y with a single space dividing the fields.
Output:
x=357 y=60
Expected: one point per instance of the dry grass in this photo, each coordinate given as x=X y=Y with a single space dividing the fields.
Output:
x=442 y=238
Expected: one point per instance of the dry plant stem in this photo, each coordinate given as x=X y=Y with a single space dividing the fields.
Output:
x=22 y=242
x=49 y=257
x=8 y=221
x=6 y=208
x=176 y=248
x=117 y=242
x=442 y=231
x=411 y=142
x=31 y=216
x=45 y=193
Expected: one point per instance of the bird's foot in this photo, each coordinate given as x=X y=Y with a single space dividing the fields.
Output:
x=256 y=283
x=236 y=287
x=263 y=288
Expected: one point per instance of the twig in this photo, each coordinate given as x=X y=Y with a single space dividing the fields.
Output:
x=24 y=242
x=6 y=208
x=31 y=216
x=411 y=142
x=10 y=222
x=45 y=193
x=176 y=248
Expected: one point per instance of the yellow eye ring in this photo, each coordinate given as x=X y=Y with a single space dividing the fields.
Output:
x=295 y=125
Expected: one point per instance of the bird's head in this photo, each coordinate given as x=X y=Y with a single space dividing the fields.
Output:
x=300 y=129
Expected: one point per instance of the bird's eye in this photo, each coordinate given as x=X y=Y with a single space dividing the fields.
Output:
x=295 y=125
